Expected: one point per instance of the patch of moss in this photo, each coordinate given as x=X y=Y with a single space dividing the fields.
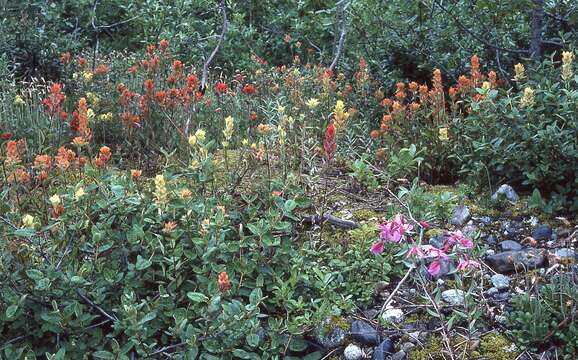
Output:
x=433 y=350
x=365 y=215
x=495 y=346
x=434 y=232
x=477 y=210
x=336 y=322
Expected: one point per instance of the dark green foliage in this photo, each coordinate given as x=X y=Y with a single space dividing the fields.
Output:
x=547 y=317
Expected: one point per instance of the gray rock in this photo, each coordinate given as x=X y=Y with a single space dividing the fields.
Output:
x=353 y=352
x=485 y=220
x=454 y=297
x=517 y=260
x=502 y=296
x=490 y=252
x=330 y=335
x=364 y=333
x=460 y=216
x=510 y=245
x=491 y=240
x=437 y=241
x=385 y=348
x=542 y=233
x=393 y=316
x=505 y=192
x=407 y=347
x=501 y=282
x=400 y=355
x=492 y=291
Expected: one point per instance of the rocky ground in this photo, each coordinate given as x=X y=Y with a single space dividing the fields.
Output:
x=518 y=250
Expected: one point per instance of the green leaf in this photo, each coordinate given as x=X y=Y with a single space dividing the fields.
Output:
x=197 y=297
x=25 y=232
x=142 y=264
x=148 y=317
x=34 y=274
x=297 y=345
x=290 y=205
x=11 y=311
x=242 y=354
x=252 y=340
x=103 y=354
x=256 y=296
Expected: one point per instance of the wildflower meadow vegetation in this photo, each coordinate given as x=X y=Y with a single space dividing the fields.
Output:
x=279 y=204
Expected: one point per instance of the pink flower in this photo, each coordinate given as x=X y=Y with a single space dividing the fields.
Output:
x=437 y=253
x=377 y=248
x=394 y=230
x=466 y=264
x=434 y=268
x=458 y=237
x=389 y=232
x=415 y=251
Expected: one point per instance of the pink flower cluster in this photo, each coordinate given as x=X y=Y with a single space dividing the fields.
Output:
x=391 y=231
x=398 y=229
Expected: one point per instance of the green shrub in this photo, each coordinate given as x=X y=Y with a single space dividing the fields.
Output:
x=548 y=317
x=533 y=146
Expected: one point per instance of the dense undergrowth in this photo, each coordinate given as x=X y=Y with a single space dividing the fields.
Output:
x=143 y=214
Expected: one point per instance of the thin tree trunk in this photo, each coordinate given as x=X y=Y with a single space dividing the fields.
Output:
x=537 y=29
x=342 y=20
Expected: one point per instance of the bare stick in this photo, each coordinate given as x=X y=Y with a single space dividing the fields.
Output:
x=340 y=7
x=207 y=63
x=93 y=305
x=390 y=297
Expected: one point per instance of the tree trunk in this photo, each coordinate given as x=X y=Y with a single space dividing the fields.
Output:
x=537 y=28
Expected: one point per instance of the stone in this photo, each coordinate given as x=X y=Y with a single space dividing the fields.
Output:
x=400 y=355
x=520 y=260
x=485 y=220
x=383 y=349
x=330 y=335
x=507 y=192
x=454 y=297
x=492 y=291
x=500 y=282
x=437 y=241
x=407 y=346
x=510 y=245
x=542 y=233
x=502 y=296
x=364 y=333
x=490 y=252
x=460 y=216
x=393 y=316
x=353 y=352
x=491 y=240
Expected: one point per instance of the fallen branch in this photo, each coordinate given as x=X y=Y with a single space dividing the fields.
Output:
x=207 y=63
